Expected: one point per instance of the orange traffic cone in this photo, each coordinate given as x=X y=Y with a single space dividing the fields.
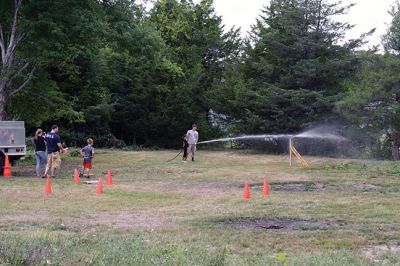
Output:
x=109 y=178
x=7 y=167
x=266 y=188
x=76 y=176
x=48 y=190
x=246 y=191
x=99 y=189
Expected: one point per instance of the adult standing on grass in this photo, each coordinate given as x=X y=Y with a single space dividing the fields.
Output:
x=192 y=139
x=40 y=151
x=54 y=147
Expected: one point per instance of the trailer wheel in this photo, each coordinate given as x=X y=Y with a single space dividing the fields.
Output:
x=2 y=157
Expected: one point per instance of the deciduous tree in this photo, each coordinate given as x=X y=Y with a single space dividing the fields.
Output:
x=14 y=72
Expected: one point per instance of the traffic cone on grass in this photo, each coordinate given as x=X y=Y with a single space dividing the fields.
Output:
x=246 y=191
x=7 y=167
x=99 y=189
x=76 y=176
x=265 y=188
x=48 y=189
x=109 y=178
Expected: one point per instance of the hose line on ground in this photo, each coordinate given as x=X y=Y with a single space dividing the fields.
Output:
x=174 y=157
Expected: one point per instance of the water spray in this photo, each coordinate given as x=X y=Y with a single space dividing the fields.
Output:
x=310 y=134
x=268 y=137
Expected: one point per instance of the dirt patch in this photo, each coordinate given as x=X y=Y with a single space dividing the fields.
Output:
x=219 y=189
x=128 y=220
x=378 y=253
x=296 y=186
x=24 y=221
x=364 y=187
x=117 y=220
x=317 y=186
x=286 y=225
x=154 y=187
x=292 y=178
x=192 y=171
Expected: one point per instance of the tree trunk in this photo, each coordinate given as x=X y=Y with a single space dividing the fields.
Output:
x=10 y=67
x=2 y=109
x=3 y=92
x=395 y=147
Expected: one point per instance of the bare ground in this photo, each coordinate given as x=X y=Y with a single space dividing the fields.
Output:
x=286 y=225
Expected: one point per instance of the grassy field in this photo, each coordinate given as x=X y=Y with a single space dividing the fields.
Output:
x=338 y=212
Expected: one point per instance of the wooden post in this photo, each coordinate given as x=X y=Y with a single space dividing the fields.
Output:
x=293 y=151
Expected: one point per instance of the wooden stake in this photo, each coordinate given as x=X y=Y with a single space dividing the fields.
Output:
x=297 y=154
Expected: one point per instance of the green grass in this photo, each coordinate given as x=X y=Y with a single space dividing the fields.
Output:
x=159 y=213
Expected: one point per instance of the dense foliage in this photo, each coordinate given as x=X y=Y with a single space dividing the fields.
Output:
x=126 y=75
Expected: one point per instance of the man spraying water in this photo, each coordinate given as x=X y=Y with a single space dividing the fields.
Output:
x=192 y=139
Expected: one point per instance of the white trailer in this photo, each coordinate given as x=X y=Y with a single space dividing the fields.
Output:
x=12 y=141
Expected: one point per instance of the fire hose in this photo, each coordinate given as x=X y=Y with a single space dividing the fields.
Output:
x=174 y=157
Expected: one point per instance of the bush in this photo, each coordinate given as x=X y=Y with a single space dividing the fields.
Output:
x=77 y=139
x=74 y=152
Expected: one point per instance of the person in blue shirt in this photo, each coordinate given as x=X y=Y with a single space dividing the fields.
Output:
x=54 y=146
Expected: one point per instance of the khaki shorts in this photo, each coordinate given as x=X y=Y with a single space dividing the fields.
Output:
x=192 y=149
x=54 y=160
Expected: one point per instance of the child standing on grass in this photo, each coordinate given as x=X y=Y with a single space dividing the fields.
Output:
x=87 y=154
x=185 y=148
x=193 y=138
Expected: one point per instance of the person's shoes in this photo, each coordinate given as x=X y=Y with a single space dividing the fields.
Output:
x=192 y=159
x=53 y=176
x=43 y=176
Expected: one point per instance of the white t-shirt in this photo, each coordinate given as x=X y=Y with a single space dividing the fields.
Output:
x=192 y=136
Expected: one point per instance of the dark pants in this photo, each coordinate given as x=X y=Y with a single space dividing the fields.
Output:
x=185 y=152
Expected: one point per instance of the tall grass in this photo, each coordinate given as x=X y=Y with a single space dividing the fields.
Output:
x=116 y=249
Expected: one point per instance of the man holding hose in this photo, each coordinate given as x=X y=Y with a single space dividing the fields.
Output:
x=192 y=139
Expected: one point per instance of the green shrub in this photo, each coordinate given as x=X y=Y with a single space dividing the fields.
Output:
x=74 y=152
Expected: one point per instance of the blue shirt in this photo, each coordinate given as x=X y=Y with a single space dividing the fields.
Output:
x=88 y=153
x=52 y=139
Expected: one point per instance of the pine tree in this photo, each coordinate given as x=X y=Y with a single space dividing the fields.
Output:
x=293 y=66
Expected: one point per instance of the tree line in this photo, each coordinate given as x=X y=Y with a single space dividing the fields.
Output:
x=112 y=70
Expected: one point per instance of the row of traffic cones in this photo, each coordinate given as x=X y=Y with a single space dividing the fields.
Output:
x=99 y=189
x=265 y=190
